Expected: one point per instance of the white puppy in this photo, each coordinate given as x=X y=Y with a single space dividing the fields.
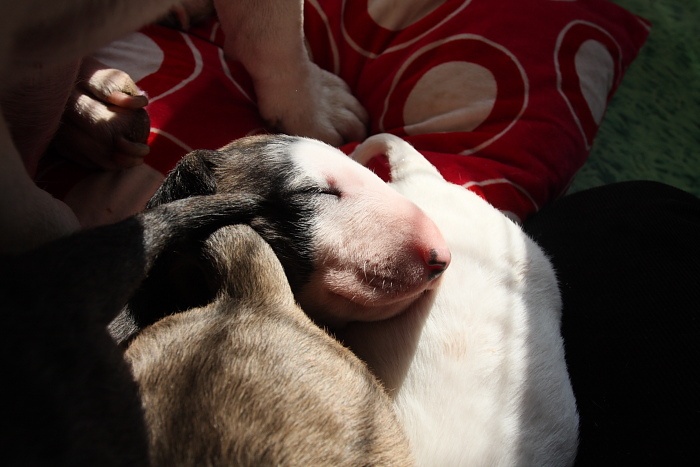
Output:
x=476 y=368
x=42 y=43
x=327 y=219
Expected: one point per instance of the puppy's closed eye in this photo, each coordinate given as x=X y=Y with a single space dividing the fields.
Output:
x=333 y=191
x=316 y=190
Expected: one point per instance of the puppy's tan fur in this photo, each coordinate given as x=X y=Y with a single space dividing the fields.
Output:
x=249 y=380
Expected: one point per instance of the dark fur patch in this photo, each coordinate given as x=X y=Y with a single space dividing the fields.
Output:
x=262 y=166
x=192 y=176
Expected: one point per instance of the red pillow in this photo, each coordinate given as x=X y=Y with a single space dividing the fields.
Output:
x=503 y=96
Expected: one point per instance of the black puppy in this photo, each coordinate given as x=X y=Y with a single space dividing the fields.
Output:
x=70 y=398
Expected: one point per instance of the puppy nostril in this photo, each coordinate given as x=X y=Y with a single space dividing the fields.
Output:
x=434 y=274
x=437 y=261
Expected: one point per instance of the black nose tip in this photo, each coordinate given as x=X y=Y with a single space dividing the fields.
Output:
x=436 y=270
x=437 y=263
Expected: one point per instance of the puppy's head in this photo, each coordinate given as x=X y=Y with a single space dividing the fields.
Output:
x=481 y=238
x=352 y=248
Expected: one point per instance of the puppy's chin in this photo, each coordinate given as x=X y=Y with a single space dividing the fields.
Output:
x=335 y=306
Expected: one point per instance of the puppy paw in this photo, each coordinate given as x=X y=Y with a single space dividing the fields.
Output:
x=313 y=103
x=105 y=124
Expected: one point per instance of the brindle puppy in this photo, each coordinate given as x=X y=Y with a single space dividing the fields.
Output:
x=248 y=379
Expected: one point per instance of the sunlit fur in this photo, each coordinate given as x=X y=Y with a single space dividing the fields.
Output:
x=477 y=369
x=248 y=379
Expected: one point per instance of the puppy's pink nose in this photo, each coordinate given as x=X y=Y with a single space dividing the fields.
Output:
x=437 y=260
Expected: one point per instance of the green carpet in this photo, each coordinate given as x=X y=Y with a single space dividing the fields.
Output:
x=651 y=130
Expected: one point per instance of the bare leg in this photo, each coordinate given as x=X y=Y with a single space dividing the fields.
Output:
x=33 y=108
x=36 y=31
x=40 y=46
x=29 y=216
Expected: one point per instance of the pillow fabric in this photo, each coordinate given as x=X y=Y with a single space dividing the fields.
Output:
x=502 y=96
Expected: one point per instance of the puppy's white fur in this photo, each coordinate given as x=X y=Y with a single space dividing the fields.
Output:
x=376 y=252
x=477 y=370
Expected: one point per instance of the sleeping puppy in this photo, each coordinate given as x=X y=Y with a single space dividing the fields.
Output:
x=476 y=368
x=248 y=379
x=41 y=47
x=71 y=397
x=352 y=247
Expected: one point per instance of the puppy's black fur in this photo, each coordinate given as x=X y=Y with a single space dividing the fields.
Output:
x=260 y=165
x=70 y=397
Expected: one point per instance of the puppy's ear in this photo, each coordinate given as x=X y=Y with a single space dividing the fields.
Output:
x=192 y=176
